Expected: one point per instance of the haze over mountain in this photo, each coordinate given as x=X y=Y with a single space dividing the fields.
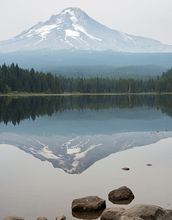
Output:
x=74 y=29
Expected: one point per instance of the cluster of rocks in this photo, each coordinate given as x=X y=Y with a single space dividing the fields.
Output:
x=137 y=212
x=93 y=207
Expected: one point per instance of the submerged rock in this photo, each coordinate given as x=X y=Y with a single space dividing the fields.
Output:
x=88 y=204
x=121 y=194
x=13 y=218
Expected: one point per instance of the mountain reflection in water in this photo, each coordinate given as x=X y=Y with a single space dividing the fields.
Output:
x=77 y=131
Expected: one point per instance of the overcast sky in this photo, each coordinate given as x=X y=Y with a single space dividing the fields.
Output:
x=147 y=18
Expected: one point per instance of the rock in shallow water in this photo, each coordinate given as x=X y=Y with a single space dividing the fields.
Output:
x=126 y=168
x=149 y=164
x=88 y=204
x=121 y=194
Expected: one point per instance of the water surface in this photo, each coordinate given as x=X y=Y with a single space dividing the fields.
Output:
x=56 y=149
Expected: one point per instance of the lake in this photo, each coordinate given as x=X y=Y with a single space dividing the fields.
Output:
x=54 y=149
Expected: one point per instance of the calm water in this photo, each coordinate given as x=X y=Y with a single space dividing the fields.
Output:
x=56 y=149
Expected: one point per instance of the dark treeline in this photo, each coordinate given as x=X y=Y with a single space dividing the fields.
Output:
x=106 y=85
x=16 y=109
x=15 y=79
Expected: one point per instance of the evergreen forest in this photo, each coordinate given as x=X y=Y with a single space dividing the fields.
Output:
x=16 y=79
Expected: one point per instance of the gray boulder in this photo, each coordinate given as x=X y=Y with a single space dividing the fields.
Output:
x=88 y=204
x=61 y=217
x=146 y=212
x=110 y=213
x=121 y=194
x=13 y=218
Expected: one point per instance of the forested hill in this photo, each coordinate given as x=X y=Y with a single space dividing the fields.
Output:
x=16 y=79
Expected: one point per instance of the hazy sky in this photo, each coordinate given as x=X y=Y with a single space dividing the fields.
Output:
x=148 y=18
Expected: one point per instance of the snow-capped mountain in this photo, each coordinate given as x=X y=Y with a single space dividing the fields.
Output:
x=74 y=29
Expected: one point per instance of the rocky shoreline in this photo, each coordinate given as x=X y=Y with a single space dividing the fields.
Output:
x=93 y=207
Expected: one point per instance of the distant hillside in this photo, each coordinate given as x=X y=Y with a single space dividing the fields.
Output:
x=87 y=64
x=136 y=72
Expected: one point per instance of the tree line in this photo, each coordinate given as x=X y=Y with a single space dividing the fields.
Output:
x=13 y=78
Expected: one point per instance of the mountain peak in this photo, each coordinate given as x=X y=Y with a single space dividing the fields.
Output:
x=71 y=10
x=74 y=29
x=68 y=17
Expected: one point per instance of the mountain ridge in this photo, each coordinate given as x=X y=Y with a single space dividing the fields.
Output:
x=74 y=29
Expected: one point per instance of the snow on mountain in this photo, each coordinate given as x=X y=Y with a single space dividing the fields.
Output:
x=74 y=29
